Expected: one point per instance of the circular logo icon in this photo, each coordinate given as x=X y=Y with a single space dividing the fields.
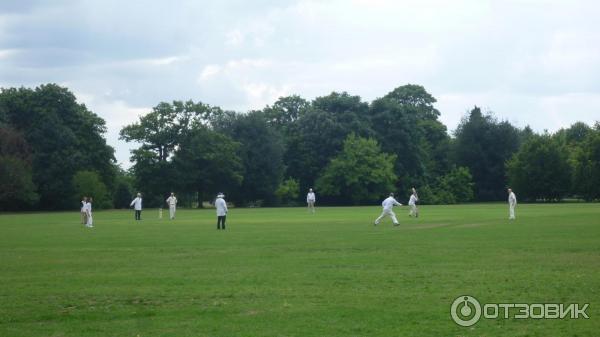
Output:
x=465 y=310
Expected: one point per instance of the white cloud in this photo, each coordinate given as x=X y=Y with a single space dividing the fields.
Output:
x=564 y=109
x=530 y=61
x=165 y=61
x=234 y=38
x=117 y=114
x=248 y=63
x=209 y=71
x=8 y=53
x=572 y=52
x=261 y=94
x=545 y=112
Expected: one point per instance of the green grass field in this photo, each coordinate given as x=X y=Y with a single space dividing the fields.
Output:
x=283 y=272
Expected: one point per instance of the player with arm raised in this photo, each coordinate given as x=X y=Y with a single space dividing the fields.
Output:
x=412 y=202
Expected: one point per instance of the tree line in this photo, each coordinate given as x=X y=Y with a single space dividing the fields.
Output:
x=53 y=151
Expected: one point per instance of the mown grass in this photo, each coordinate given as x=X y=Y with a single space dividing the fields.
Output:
x=283 y=272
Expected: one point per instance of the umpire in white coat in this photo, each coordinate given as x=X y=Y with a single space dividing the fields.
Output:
x=221 y=207
x=137 y=205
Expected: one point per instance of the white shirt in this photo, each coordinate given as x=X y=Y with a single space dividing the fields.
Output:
x=138 y=203
x=88 y=207
x=172 y=201
x=389 y=203
x=512 y=199
x=413 y=200
x=83 y=205
x=310 y=197
x=221 y=206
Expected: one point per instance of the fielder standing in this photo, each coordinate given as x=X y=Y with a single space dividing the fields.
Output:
x=412 y=202
x=388 y=205
x=172 y=202
x=88 y=210
x=221 y=207
x=310 y=200
x=137 y=203
x=83 y=211
x=512 y=202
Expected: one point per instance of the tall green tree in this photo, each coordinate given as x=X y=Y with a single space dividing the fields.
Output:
x=64 y=137
x=540 y=169
x=261 y=153
x=458 y=183
x=577 y=133
x=160 y=132
x=456 y=186
x=285 y=111
x=288 y=191
x=207 y=162
x=406 y=123
x=319 y=133
x=153 y=178
x=360 y=173
x=17 y=190
x=123 y=190
x=483 y=144
x=88 y=183
x=586 y=177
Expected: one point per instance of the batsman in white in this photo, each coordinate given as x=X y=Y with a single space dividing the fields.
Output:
x=310 y=200
x=512 y=203
x=388 y=205
x=172 y=202
x=412 y=202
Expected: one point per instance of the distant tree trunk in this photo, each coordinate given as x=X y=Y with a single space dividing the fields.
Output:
x=200 y=198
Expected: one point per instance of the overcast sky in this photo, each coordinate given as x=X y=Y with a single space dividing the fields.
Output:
x=531 y=62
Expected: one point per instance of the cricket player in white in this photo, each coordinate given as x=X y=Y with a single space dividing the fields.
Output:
x=512 y=202
x=412 y=202
x=388 y=204
x=83 y=211
x=310 y=200
x=221 y=207
x=88 y=211
x=137 y=203
x=172 y=202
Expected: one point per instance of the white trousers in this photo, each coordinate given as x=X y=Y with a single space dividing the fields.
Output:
x=90 y=222
x=311 y=206
x=387 y=212
x=413 y=210
x=172 y=211
x=511 y=215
